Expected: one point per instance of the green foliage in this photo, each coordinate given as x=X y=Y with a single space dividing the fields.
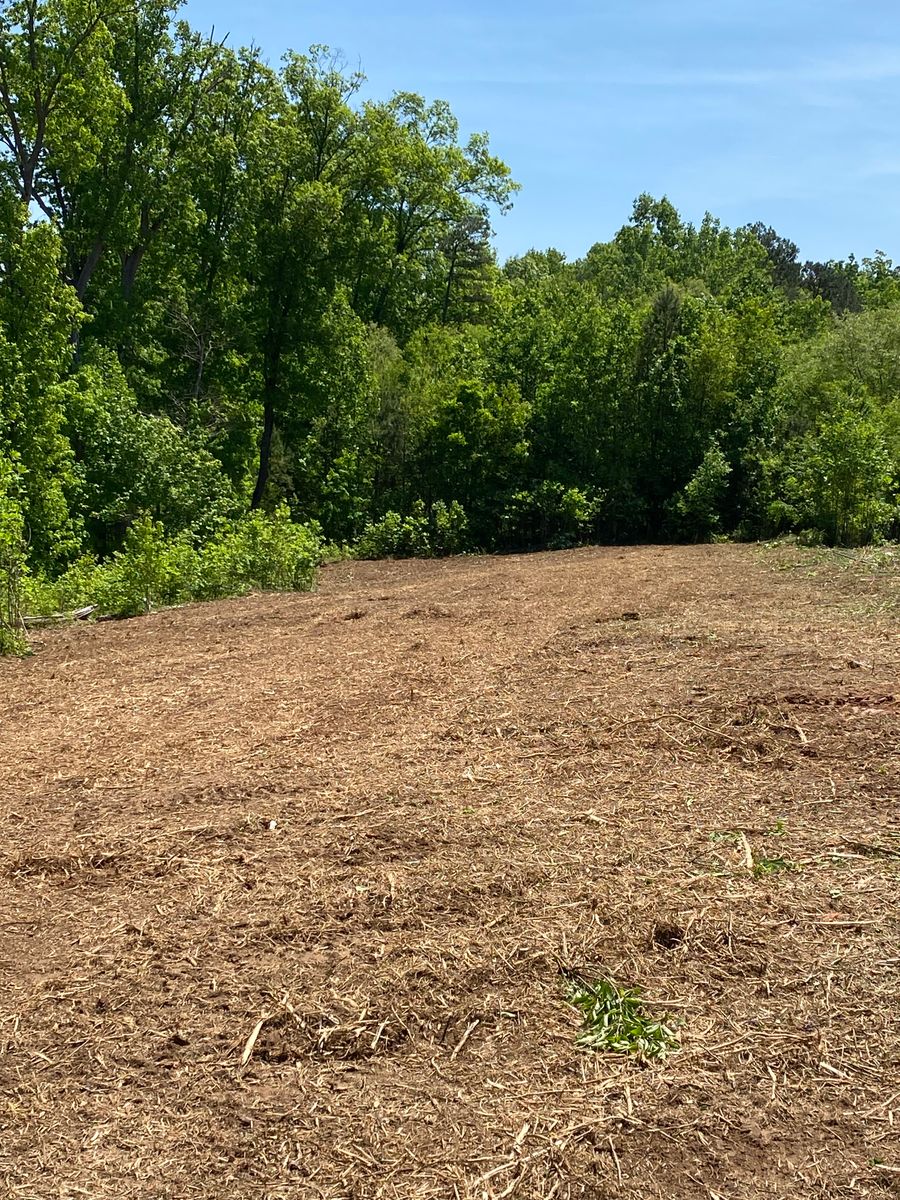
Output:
x=13 y=567
x=250 y=288
x=145 y=573
x=764 y=865
x=266 y=552
x=449 y=528
x=839 y=482
x=697 y=508
x=261 y=551
x=151 y=570
x=395 y=536
x=551 y=514
x=615 y=1018
x=443 y=529
x=37 y=316
x=130 y=462
x=476 y=450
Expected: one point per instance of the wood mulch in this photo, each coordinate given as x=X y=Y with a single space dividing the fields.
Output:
x=291 y=886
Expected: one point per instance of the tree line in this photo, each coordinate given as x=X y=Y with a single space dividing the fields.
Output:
x=246 y=313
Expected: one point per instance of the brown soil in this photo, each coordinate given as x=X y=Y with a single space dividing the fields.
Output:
x=290 y=886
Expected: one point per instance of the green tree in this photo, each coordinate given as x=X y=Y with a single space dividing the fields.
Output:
x=37 y=314
x=841 y=481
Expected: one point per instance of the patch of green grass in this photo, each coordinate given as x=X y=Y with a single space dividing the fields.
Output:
x=769 y=866
x=871 y=567
x=614 y=1018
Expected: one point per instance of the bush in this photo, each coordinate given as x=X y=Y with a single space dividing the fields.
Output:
x=395 y=536
x=450 y=528
x=552 y=515
x=261 y=550
x=151 y=570
x=442 y=530
x=841 y=482
x=130 y=462
x=148 y=572
x=696 y=511
x=75 y=588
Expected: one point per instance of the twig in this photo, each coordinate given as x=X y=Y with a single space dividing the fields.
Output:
x=470 y=1029
x=251 y=1040
x=615 y=1156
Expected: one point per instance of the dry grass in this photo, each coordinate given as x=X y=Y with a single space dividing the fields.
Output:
x=291 y=887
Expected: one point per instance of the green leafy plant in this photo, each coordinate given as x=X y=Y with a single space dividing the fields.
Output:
x=12 y=569
x=75 y=587
x=144 y=574
x=696 y=509
x=615 y=1018
x=450 y=527
x=839 y=482
x=442 y=529
x=769 y=865
x=396 y=536
x=266 y=551
x=553 y=515
x=725 y=835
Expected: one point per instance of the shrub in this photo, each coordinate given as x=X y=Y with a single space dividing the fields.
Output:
x=395 y=536
x=443 y=529
x=552 y=515
x=696 y=510
x=450 y=528
x=149 y=571
x=130 y=462
x=840 y=482
x=77 y=587
x=265 y=551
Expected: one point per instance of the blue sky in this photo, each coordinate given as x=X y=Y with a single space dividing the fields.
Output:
x=785 y=111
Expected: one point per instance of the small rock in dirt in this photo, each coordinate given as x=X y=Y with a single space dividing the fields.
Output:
x=631 y=616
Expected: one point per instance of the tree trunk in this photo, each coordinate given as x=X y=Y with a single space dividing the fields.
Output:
x=265 y=446
x=451 y=272
x=88 y=267
x=130 y=266
x=132 y=260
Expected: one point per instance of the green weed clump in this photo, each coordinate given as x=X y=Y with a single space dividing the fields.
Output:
x=615 y=1019
x=764 y=865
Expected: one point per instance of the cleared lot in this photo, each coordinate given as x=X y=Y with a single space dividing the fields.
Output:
x=292 y=887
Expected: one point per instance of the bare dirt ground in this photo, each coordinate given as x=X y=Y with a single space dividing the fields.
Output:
x=290 y=886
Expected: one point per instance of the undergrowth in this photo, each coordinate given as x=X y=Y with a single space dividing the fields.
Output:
x=260 y=551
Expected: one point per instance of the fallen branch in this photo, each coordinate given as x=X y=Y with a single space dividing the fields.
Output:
x=78 y=614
